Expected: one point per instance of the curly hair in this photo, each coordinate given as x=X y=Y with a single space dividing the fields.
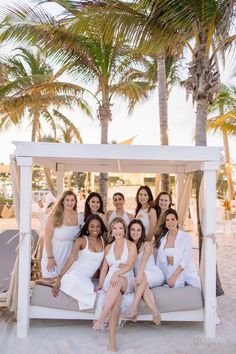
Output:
x=84 y=229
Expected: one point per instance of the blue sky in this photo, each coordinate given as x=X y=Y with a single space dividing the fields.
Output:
x=144 y=122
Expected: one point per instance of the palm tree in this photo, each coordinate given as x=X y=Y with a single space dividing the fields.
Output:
x=30 y=89
x=226 y=124
x=199 y=22
x=88 y=56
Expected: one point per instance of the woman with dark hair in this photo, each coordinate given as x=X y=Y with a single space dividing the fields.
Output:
x=62 y=226
x=94 y=205
x=162 y=202
x=175 y=253
x=145 y=211
x=148 y=275
x=118 y=201
x=116 y=281
x=85 y=259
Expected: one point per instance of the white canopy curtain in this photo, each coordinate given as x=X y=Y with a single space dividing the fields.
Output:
x=11 y=301
x=184 y=201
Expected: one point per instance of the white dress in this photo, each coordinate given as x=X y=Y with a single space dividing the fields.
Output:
x=113 y=215
x=77 y=283
x=114 y=267
x=143 y=216
x=154 y=274
x=62 y=242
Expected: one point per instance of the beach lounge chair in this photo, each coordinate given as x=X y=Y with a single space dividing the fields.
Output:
x=8 y=252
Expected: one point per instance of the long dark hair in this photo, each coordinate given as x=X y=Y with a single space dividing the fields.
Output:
x=150 y=198
x=162 y=230
x=87 y=209
x=143 y=237
x=110 y=238
x=84 y=229
x=156 y=203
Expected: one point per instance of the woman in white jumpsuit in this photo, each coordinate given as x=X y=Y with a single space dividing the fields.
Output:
x=175 y=253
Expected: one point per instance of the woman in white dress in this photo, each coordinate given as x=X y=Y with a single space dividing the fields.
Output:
x=175 y=253
x=148 y=274
x=93 y=205
x=118 y=201
x=145 y=212
x=85 y=259
x=162 y=202
x=114 y=279
x=61 y=229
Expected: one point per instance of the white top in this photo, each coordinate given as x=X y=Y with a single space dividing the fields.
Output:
x=113 y=215
x=77 y=283
x=182 y=251
x=114 y=266
x=169 y=251
x=150 y=265
x=143 y=216
x=89 y=261
x=62 y=242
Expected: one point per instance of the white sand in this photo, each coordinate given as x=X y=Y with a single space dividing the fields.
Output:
x=77 y=337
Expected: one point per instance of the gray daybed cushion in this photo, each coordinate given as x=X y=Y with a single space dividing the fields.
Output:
x=168 y=300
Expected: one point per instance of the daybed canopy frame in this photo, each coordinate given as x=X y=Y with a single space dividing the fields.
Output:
x=62 y=157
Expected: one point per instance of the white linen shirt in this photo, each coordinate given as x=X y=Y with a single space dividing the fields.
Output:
x=182 y=252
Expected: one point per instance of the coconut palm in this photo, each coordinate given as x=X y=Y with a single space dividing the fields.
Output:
x=30 y=89
x=198 y=24
x=225 y=105
x=108 y=65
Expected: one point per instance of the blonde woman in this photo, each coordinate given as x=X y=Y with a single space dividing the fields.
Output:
x=60 y=231
x=116 y=277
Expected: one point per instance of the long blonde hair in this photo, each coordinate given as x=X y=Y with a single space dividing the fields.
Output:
x=58 y=210
x=116 y=221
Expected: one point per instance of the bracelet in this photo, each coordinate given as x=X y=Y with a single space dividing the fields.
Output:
x=50 y=257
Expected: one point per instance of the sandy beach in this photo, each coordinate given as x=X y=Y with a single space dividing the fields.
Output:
x=77 y=337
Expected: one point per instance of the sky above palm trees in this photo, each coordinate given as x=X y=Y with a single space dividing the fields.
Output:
x=143 y=123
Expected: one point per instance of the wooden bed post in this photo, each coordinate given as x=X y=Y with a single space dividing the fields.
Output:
x=24 y=246
x=209 y=227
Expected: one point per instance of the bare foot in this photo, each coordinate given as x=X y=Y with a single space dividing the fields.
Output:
x=112 y=348
x=98 y=326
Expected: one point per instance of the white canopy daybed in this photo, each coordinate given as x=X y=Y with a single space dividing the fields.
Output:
x=62 y=157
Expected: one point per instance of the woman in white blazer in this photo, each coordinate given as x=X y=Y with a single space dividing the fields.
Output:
x=175 y=253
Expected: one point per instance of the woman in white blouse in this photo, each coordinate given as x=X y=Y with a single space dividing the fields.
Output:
x=175 y=253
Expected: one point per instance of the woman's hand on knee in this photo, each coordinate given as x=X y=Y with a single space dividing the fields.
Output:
x=114 y=280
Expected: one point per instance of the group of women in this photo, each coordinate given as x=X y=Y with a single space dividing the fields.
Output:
x=132 y=253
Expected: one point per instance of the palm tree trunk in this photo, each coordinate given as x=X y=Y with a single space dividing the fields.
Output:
x=201 y=140
x=163 y=112
x=105 y=116
x=228 y=166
